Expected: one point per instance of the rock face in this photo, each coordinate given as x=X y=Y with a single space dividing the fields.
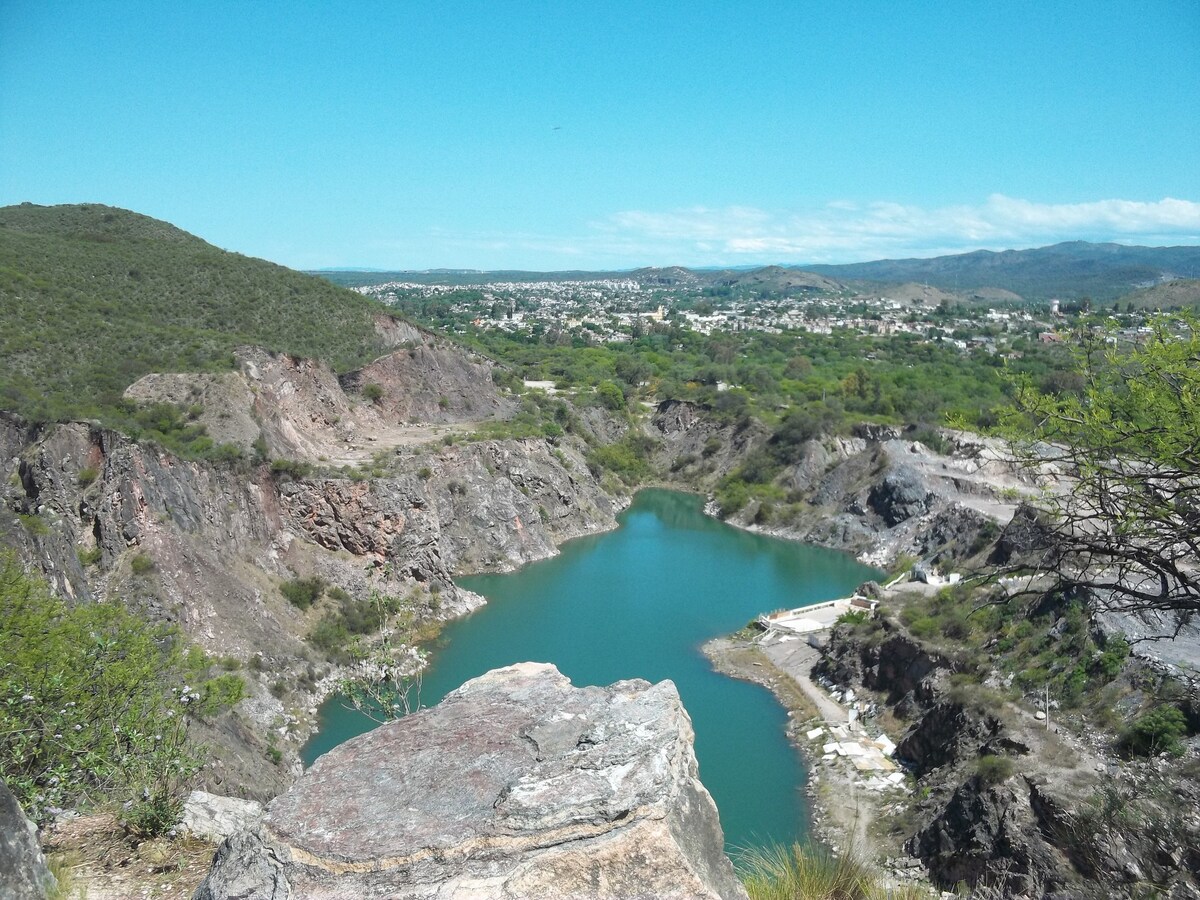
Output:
x=873 y=494
x=517 y=785
x=214 y=540
x=23 y=872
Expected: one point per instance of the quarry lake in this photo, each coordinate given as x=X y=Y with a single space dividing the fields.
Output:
x=639 y=602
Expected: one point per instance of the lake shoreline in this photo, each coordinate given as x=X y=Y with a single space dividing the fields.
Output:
x=842 y=817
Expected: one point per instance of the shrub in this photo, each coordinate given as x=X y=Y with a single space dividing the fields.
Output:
x=87 y=475
x=372 y=392
x=34 y=524
x=1158 y=731
x=91 y=706
x=994 y=769
x=290 y=468
x=220 y=693
x=141 y=564
x=610 y=395
x=90 y=556
x=1107 y=665
x=303 y=592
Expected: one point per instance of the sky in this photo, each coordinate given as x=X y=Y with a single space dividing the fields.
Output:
x=500 y=134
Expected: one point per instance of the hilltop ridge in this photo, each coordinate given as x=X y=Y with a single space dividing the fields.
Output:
x=94 y=297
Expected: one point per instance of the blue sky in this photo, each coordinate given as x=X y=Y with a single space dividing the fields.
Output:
x=610 y=134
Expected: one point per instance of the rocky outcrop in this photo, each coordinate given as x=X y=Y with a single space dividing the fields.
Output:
x=987 y=835
x=23 y=871
x=699 y=447
x=516 y=785
x=1006 y=805
x=898 y=496
x=904 y=670
x=294 y=408
x=873 y=494
x=206 y=545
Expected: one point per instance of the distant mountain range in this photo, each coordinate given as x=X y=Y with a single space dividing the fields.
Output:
x=1067 y=271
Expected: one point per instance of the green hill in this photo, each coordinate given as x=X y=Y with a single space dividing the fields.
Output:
x=92 y=298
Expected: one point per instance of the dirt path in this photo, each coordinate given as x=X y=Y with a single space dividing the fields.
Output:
x=369 y=443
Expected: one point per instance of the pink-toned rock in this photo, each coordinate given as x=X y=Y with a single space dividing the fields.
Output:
x=518 y=785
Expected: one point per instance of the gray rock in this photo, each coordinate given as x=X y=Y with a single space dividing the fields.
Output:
x=215 y=818
x=517 y=785
x=899 y=496
x=23 y=871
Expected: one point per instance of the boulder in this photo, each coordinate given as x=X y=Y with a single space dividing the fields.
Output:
x=517 y=785
x=899 y=496
x=23 y=871
x=215 y=818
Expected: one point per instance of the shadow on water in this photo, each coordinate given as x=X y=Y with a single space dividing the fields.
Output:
x=639 y=602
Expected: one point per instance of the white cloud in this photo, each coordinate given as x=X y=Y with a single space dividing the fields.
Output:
x=842 y=231
x=839 y=231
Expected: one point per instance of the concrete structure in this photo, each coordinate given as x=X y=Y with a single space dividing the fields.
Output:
x=816 y=616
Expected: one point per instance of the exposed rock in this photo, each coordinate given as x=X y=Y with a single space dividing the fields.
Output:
x=23 y=871
x=516 y=785
x=700 y=447
x=215 y=818
x=900 y=495
x=987 y=835
x=221 y=538
x=947 y=733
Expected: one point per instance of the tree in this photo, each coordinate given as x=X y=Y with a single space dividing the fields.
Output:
x=1125 y=525
x=610 y=394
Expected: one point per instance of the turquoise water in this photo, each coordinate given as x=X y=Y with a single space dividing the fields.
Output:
x=639 y=602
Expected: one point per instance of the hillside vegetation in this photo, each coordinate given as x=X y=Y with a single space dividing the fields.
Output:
x=93 y=297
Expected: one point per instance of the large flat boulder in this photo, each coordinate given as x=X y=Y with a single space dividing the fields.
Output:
x=517 y=785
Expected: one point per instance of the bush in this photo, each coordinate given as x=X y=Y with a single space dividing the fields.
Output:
x=290 y=468
x=87 y=475
x=141 y=564
x=218 y=694
x=303 y=592
x=372 y=392
x=994 y=769
x=91 y=706
x=610 y=395
x=90 y=556
x=1158 y=731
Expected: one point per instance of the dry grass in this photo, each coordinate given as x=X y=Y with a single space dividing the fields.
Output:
x=803 y=873
x=94 y=858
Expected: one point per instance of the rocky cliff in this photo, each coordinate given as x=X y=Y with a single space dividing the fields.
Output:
x=517 y=785
x=1006 y=804
x=208 y=544
x=879 y=493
